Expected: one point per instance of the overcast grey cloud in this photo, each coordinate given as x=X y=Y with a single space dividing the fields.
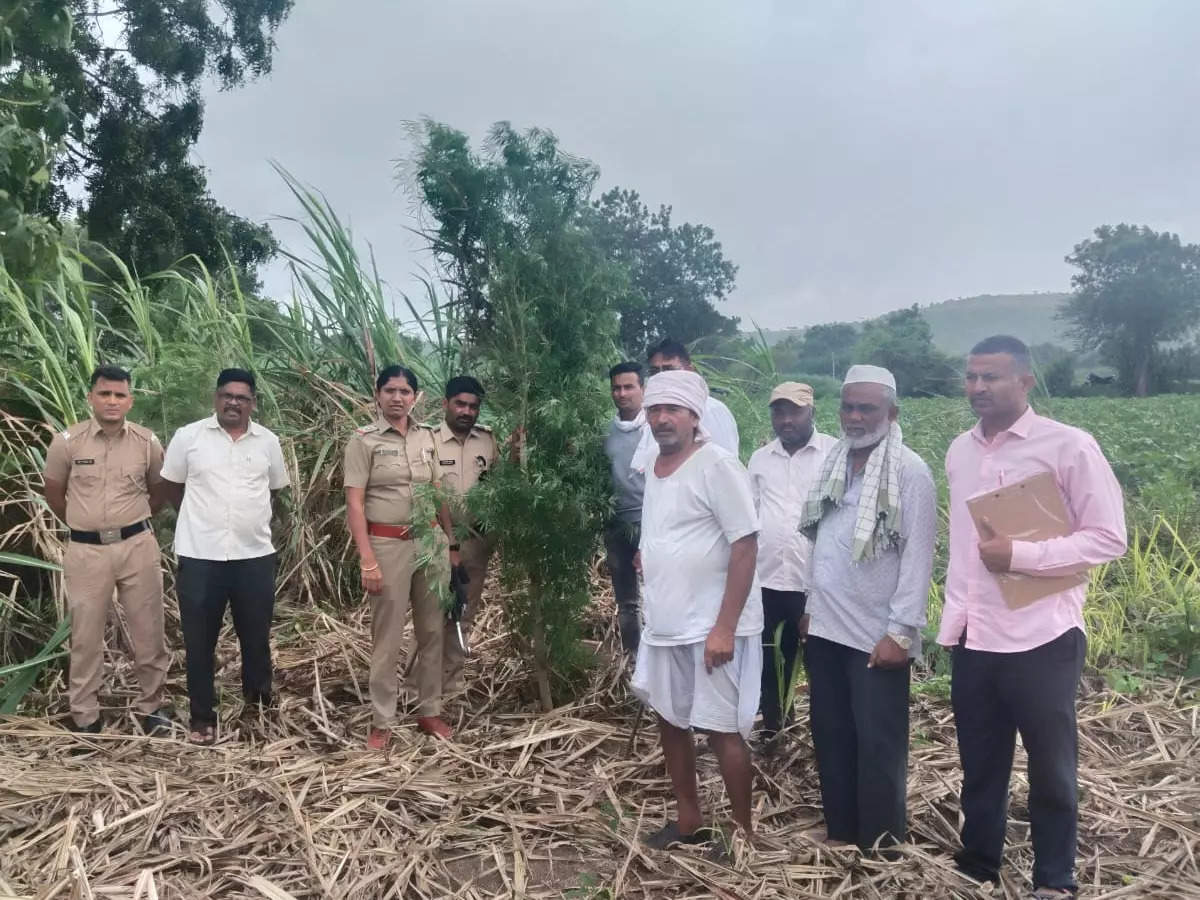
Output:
x=852 y=157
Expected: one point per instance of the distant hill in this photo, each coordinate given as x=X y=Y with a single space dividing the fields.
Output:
x=958 y=324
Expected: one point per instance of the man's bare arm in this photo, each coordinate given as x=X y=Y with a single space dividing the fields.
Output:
x=55 y=493
x=743 y=554
x=172 y=492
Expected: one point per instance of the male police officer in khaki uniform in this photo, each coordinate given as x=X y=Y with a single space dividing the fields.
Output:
x=102 y=478
x=466 y=450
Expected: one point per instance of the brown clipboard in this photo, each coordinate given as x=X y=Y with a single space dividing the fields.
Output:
x=1030 y=510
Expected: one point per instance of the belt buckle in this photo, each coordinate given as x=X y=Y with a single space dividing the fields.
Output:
x=110 y=535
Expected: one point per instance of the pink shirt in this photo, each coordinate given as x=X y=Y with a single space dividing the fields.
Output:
x=975 y=465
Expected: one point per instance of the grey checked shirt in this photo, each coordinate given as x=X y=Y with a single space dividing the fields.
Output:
x=856 y=604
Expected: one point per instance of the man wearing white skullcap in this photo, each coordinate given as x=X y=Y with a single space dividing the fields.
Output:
x=872 y=514
x=699 y=662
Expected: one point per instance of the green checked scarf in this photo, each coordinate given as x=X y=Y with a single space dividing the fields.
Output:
x=877 y=525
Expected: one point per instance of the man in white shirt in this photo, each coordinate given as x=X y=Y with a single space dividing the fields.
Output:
x=699 y=662
x=781 y=475
x=221 y=473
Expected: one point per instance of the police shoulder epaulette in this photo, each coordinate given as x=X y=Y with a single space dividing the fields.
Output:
x=142 y=431
x=486 y=428
x=426 y=426
x=367 y=429
x=78 y=428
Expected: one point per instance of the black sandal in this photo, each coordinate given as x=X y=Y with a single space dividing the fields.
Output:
x=670 y=836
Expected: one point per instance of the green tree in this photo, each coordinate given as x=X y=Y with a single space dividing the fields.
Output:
x=130 y=75
x=1135 y=289
x=677 y=273
x=33 y=123
x=1055 y=368
x=538 y=299
x=826 y=349
x=902 y=341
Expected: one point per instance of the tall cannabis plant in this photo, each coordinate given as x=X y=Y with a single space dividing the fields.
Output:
x=537 y=301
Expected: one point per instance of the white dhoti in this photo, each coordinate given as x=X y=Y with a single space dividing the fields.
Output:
x=674 y=683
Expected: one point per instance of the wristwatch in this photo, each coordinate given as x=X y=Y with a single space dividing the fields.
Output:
x=903 y=640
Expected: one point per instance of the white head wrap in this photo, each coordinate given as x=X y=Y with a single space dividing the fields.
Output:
x=870 y=375
x=678 y=387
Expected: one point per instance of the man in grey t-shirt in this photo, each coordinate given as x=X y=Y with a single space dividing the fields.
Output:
x=622 y=532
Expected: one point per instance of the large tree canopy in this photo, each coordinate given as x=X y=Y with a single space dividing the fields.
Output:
x=1135 y=289
x=676 y=272
x=126 y=79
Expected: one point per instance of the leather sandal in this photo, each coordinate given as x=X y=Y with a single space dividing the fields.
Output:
x=202 y=734
x=379 y=738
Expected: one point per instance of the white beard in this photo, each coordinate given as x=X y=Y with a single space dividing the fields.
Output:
x=870 y=439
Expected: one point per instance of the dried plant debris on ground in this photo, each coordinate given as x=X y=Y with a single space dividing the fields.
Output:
x=289 y=804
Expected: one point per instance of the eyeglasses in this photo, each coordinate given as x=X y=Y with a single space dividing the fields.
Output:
x=240 y=399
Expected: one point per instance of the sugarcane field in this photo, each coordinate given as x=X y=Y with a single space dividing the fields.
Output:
x=405 y=494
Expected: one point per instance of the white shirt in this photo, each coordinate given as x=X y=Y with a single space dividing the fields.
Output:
x=690 y=519
x=226 y=511
x=780 y=482
x=722 y=428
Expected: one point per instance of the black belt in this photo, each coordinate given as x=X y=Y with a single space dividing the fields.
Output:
x=109 y=535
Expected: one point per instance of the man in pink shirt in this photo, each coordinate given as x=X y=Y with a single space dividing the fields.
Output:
x=1017 y=670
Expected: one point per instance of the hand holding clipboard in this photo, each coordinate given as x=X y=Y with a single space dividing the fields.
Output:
x=1030 y=510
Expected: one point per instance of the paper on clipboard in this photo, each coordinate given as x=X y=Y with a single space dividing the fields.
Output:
x=1030 y=510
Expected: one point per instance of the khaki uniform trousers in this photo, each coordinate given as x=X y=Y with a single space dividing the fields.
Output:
x=91 y=573
x=474 y=553
x=404 y=584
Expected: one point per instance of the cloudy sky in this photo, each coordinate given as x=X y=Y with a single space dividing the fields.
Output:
x=852 y=157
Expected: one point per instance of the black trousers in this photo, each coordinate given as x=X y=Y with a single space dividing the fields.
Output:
x=780 y=608
x=205 y=587
x=996 y=695
x=621 y=541
x=859 y=720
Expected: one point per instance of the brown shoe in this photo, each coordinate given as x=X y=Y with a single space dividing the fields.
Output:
x=435 y=726
x=378 y=739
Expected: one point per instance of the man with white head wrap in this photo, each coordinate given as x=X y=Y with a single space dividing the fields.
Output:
x=699 y=663
x=715 y=419
x=872 y=514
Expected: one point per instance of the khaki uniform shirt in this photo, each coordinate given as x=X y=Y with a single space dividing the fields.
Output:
x=386 y=464
x=464 y=461
x=108 y=479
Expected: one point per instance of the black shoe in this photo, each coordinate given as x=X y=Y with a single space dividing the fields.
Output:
x=93 y=728
x=159 y=723
x=670 y=836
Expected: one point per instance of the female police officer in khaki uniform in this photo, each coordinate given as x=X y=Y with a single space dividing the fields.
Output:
x=383 y=462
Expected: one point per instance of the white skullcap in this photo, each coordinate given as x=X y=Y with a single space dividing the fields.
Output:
x=870 y=375
x=678 y=387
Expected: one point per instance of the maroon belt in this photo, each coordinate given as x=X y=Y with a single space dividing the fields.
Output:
x=402 y=532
